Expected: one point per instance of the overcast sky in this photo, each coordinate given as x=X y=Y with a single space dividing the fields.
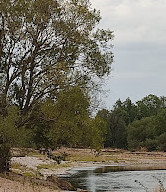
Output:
x=139 y=67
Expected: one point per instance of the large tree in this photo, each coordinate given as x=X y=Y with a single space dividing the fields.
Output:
x=149 y=106
x=115 y=128
x=46 y=46
x=126 y=109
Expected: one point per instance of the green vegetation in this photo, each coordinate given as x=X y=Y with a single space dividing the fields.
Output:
x=52 y=58
x=25 y=171
x=135 y=126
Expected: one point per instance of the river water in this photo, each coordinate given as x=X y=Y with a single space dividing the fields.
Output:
x=112 y=179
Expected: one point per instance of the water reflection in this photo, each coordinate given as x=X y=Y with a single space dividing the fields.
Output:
x=110 y=179
x=91 y=181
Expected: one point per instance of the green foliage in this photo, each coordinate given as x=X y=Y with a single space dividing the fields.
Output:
x=9 y=128
x=139 y=131
x=7 y=124
x=25 y=138
x=53 y=44
x=160 y=122
x=149 y=106
x=97 y=130
x=41 y=136
x=67 y=116
x=4 y=152
x=115 y=128
x=11 y=136
x=67 y=122
x=138 y=125
x=51 y=54
x=151 y=144
x=8 y=135
x=127 y=110
x=118 y=130
x=162 y=142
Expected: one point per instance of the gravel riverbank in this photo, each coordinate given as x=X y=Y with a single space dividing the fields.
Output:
x=45 y=167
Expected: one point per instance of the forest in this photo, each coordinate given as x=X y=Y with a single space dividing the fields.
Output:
x=135 y=126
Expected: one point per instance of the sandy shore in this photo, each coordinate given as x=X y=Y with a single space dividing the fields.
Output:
x=34 y=162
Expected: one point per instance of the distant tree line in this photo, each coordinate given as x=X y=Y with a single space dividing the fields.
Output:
x=135 y=126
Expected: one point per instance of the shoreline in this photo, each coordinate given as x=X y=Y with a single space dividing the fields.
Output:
x=117 y=160
x=113 y=167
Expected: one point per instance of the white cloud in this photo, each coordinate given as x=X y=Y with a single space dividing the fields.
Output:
x=134 y=20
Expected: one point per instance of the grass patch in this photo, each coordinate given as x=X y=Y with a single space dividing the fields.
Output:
x=17 y=166
x=25 y=171
x=35 y=154
x=29 y=174
x=92 y=158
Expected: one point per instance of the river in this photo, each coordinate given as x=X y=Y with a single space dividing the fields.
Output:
x=115 y=179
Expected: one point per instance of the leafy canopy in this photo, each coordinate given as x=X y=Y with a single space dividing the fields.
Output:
x=48 y=45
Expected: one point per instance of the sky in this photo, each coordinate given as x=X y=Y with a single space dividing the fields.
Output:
x=139 y=48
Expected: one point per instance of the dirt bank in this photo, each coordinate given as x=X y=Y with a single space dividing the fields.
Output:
x=7 y=185
x=13 y=182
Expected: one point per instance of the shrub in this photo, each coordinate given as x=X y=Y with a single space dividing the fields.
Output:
x=4 y=153
x=8 y=136
x=162 y=142
x=151 y=144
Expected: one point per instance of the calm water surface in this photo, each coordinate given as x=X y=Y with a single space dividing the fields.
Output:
x=103 y=179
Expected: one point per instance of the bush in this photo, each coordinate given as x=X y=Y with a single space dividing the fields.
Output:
x=151 y=144
x=162 y=142
x=4 y=153
x=8 y=136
